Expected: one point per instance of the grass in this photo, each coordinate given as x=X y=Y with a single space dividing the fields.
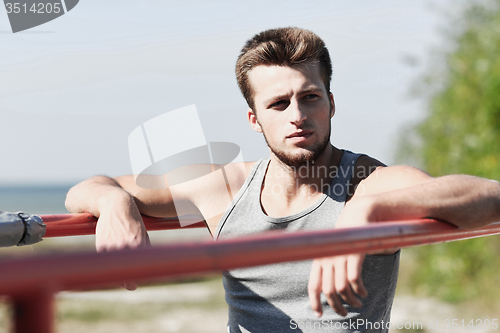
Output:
x=184 y=314
x=470 y=298
x=202 y=310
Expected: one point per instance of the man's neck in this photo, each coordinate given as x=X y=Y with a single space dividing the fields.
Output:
x=287 y=189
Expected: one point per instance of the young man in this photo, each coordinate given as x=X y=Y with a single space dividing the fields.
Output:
x=284 y=74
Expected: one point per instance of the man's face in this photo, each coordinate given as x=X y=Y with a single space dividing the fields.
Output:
x=293 y=111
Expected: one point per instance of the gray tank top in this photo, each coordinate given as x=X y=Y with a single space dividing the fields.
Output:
x=273 y=298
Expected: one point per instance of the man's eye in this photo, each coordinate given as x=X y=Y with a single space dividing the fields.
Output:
x=278 y=104
x=311 y=96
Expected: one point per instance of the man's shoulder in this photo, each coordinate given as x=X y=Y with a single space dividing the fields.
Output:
x=240 y=169
x=367 y=160
x=212 y=193
x=237 y=173
x=389 y=178
x=365 y=166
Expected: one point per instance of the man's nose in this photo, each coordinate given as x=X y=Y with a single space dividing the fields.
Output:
x=297 y=115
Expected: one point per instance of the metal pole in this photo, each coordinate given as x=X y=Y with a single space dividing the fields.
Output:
x=34 y=312
x=84 y=224
x=90 y=270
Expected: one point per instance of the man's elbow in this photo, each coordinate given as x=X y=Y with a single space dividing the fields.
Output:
x=496 y=199
x=71 y=200
x=489 y=212
x=80 y=191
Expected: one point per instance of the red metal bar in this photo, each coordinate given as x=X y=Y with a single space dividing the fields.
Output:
x=84 y=224
x=91 y=270
x=34 y=312
x=40 y=277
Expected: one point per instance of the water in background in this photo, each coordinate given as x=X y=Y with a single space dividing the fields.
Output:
x=40 y=200
x=36 y=199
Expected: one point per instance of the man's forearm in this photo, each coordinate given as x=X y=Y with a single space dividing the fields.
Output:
x=95 y=193
x=120 y=224
x=465 y=201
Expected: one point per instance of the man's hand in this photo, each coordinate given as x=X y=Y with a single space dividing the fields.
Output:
x=400 y=193
x=339 y=277
x=119 y=224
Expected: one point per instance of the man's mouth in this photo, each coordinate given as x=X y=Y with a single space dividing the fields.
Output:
x=300 y=134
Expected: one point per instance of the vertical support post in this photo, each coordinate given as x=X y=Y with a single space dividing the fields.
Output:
x=34 y=312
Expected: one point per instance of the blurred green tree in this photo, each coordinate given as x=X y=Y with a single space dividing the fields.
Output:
x=461 y=134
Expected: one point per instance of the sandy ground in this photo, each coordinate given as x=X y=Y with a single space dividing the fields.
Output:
x=185 y=307
x=430 y=315
x=200 y=307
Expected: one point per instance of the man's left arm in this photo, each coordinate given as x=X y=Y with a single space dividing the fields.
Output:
x=403 y=192
x=400 y=193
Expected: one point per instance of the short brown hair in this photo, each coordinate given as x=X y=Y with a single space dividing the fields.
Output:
x=282 y=47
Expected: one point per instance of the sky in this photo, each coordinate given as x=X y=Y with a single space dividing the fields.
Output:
x=72 y=90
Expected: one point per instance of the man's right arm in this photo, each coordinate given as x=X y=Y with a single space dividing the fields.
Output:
x=119 y=202
x=119 y=218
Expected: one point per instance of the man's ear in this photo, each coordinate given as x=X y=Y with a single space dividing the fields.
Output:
x=332 y=106
x=252 y=119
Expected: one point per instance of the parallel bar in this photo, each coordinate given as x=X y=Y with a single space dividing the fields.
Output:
x=84 y=224
x=32 y=282
x=91 y=270
x=34 y=312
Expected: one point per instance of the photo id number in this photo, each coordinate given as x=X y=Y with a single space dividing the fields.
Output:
x=473 y=323
x=36 y=8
